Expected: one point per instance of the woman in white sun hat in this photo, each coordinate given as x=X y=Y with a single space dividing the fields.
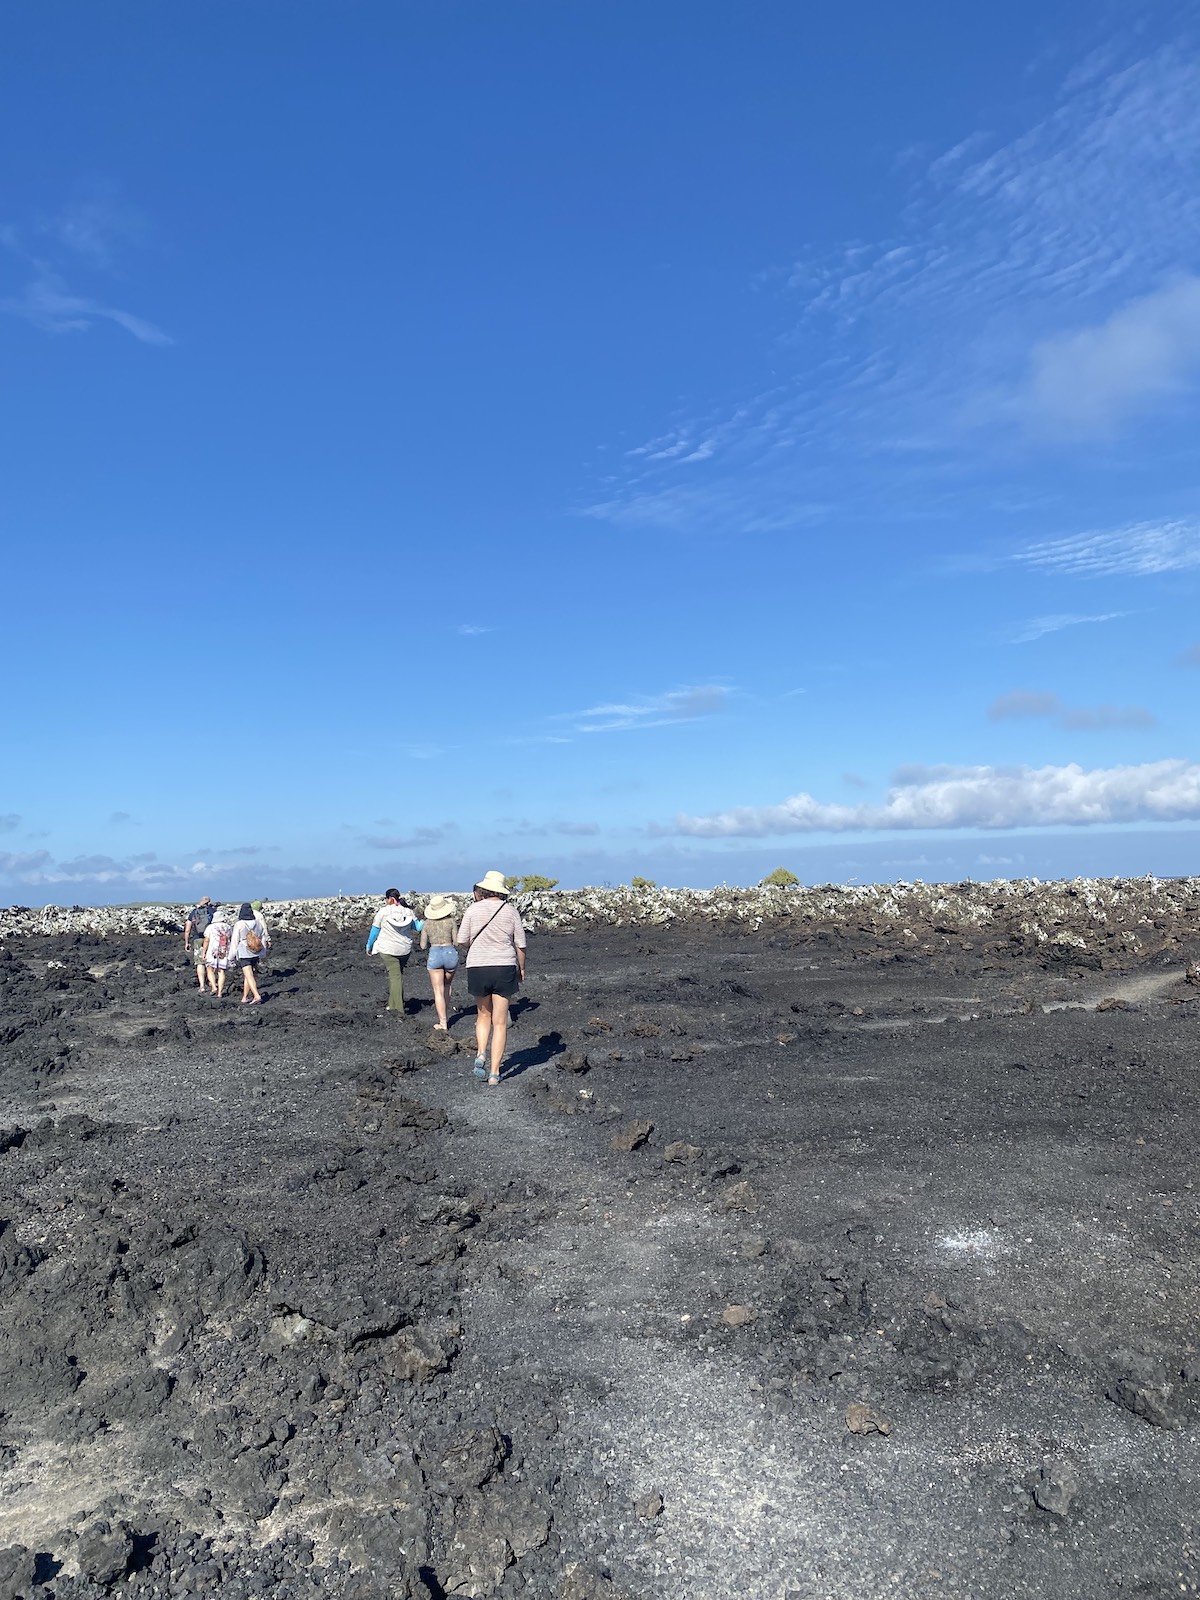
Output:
x=439 y=936
x=494 y=937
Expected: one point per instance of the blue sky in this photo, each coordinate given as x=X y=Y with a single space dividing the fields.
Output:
x=676 y=439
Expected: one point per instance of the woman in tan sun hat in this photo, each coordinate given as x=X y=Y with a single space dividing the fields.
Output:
x=494 y=935
x=439 y=936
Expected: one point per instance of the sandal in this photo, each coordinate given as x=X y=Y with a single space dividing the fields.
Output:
x=493 y=1079
x=480 y=1067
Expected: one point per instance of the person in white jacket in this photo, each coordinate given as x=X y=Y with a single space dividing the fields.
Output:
x=391 y=937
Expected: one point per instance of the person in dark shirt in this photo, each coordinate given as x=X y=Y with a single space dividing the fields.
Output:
x=194 y=929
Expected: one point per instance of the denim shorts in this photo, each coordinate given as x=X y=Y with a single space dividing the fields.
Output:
x=443 y=957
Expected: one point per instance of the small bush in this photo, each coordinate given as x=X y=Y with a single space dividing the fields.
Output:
x=642 y=883
x=530 y=882
x=781 y=878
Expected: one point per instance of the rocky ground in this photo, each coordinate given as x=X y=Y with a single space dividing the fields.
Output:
x=795 y=1256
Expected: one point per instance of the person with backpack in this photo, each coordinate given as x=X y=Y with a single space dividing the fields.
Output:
x=194 y=929
x=247 y=941
x=494 y=935
x=216 y=954
x=391 y=937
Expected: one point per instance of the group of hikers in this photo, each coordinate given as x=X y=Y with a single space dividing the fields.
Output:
x=490 y=931
x=218 y=945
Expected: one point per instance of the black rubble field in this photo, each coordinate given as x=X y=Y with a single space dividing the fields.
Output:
x=783 y=1263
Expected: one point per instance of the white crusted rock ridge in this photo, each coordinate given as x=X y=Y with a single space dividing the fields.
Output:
x=1099 y=916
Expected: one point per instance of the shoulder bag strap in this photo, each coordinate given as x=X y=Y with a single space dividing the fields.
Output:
x=491 y=919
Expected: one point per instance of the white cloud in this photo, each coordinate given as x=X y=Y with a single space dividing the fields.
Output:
x=1039 y=627
x=1137 y=550
x=980 y=797
x=1084 y=383
x=472 y=628
x=48 y=304
x=653 y=711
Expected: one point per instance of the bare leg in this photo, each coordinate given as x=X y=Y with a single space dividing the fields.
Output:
x=499 y=1034
x=221 y=976
x=200 y=970
x=250 y=985
x=438 y=979
x=483 y=1024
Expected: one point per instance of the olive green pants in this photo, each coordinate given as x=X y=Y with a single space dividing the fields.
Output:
x=395 y=970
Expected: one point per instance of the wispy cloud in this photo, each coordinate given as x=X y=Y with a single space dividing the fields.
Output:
x=1137 y=550
x=38 y=869
x=1189 y=657
x=23 y=867
x=472 y=628
x=85 y=236
x=8 y=821
x=979 y=797
x=1093 y=202
x=1039 y=627
x=1021 y=703
x=653 y=711
x=96 y=227
x=522 y=828
x=48 y=304
x=418 y=839
x=1045 y=282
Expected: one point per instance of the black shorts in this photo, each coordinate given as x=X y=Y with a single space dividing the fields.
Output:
x=492 y=980
x=247 y=961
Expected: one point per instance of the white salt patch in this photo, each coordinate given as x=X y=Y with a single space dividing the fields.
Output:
x=982 y=1242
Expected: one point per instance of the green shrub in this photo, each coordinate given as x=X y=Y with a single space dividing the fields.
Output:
x=642 y=883
x=530 y=882
x=781 y=878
